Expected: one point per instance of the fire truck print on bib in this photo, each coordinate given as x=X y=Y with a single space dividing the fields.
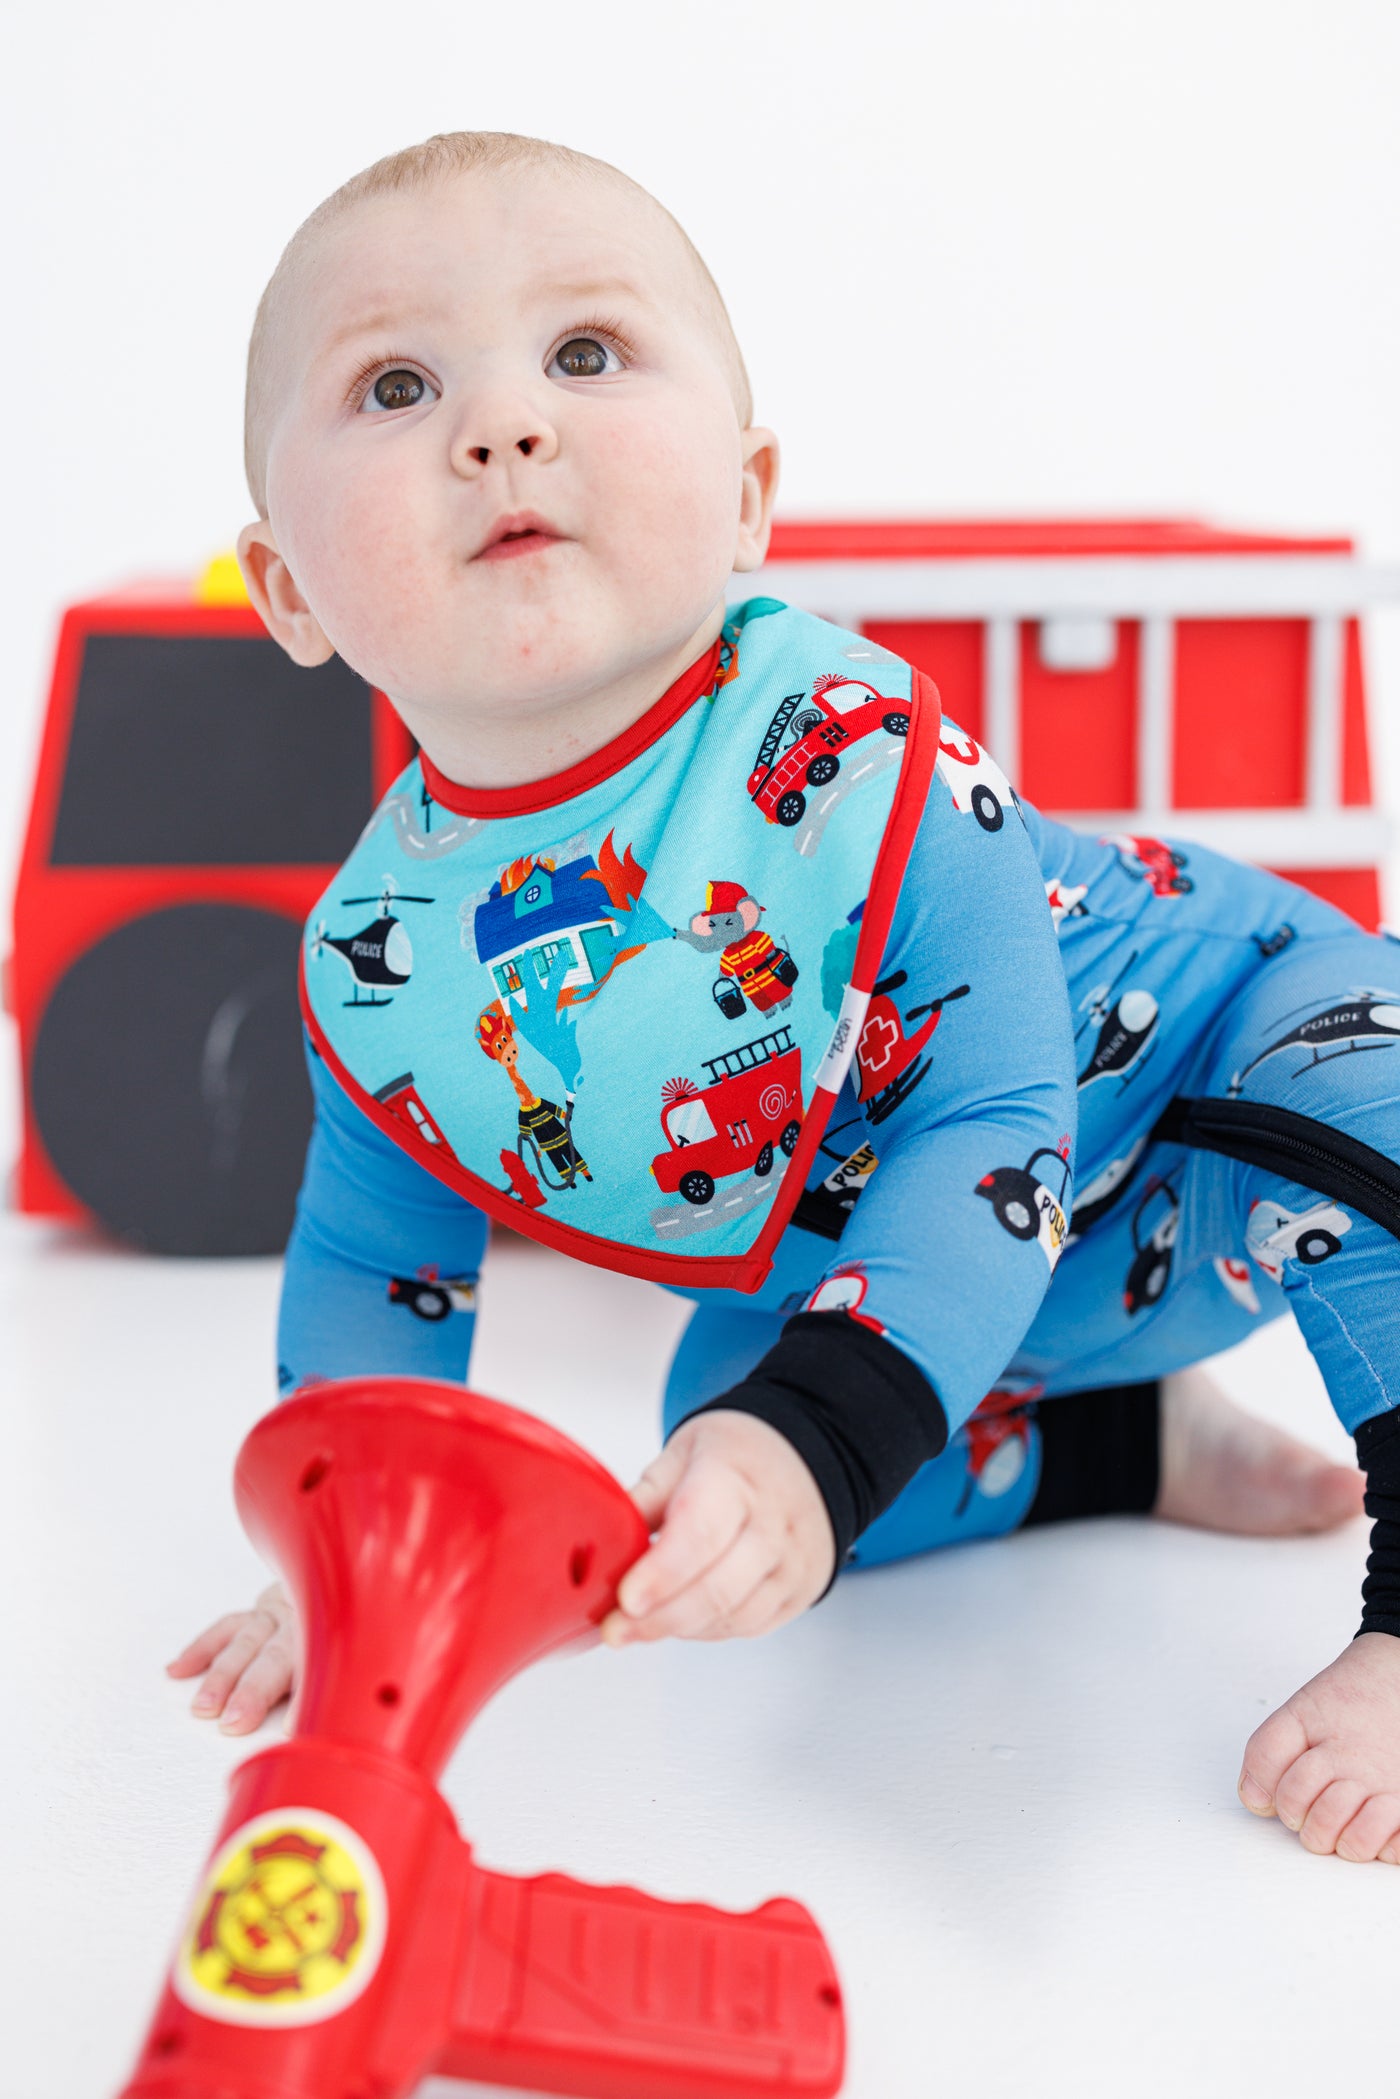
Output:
x=609 y=1018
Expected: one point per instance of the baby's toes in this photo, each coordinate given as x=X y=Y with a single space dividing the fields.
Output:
x=1329 y=1815
x=1367 y=1836
x=1275 y=1744
x=1305 y=1780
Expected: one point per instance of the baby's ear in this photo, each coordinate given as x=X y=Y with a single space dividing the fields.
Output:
x=760 y=486
x=277 y=597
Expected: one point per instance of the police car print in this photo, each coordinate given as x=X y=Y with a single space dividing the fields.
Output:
x=1274 y=1235
x=1154 y=1232
x=976 y=782
x=1024 y=1205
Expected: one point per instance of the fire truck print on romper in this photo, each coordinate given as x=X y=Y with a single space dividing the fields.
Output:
x=610 y=1018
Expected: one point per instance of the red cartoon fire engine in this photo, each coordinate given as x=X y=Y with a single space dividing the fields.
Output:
x=752 y=1104
x=841 y=712
x=1136 y=678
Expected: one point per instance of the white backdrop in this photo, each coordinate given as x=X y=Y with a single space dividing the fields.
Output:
x=984 y=256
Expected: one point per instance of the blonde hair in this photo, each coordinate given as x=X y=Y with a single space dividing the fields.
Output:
x=445 y=155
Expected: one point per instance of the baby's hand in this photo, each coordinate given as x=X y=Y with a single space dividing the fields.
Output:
x=1328 y=1762
x=252 y=1658
x=744 y=1541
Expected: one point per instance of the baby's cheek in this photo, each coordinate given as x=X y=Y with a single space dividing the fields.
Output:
x=368 y=583
x=672 y=510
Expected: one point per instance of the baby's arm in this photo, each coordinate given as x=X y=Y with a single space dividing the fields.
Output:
x=369 y=1222
x=949 y=1288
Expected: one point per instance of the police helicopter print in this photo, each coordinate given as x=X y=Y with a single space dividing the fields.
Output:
x=1368 y=1020
x=380 y=956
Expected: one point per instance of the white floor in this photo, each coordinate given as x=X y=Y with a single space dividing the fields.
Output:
x=1003 y=1777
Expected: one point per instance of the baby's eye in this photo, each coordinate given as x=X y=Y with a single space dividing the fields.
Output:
x=584 y=357
x=399 y=388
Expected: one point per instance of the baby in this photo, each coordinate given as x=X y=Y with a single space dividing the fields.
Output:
x=807 y=1036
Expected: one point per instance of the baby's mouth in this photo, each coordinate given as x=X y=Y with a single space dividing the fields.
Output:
x=515 y=536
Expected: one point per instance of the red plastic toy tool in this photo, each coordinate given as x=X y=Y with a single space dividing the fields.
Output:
x=343 y=1943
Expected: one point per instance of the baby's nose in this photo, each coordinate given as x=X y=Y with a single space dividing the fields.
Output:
x=505 y=437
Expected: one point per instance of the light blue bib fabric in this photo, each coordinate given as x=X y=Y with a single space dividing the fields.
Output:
x=620 y=1021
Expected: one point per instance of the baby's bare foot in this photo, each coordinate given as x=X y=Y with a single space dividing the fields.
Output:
x=1225 y=1470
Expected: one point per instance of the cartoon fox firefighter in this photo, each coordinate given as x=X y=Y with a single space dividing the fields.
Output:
x=752 y=966
x=542 y=1127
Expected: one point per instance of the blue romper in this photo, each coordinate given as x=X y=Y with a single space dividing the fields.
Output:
x=1118 y=1101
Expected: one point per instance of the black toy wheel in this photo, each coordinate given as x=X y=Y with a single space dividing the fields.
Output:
x=763 y=1164
x=788 y=1140
x=791 y=808
x=986 y=808
x=1315 y=1245
x=696 y=1186
x=168 y=1084
x=822 y=768
x=1017 y=1215
x=896 y=724
x=1183 y=885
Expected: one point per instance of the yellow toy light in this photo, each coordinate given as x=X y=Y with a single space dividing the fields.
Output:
x=221 y=582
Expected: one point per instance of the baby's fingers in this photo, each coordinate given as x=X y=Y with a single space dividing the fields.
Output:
x=704 y=1516
x=264 y=1683
x=658 y=1483
x=715 y=1603
x=194 y=1659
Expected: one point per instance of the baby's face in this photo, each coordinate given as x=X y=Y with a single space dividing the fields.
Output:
x=504 y=457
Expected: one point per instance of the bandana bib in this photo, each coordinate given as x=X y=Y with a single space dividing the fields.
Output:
x=615 y=1008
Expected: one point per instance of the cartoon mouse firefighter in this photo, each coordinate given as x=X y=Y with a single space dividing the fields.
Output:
x=543 y=1129
x=752 y=966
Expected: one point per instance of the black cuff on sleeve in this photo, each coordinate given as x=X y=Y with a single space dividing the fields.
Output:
x=1099 y=1453
x=1378 y=1451
x=862 y=1417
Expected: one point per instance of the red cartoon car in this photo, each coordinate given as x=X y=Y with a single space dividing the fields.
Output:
x=1156 y=861
x=753 y=1101
x=841 y=711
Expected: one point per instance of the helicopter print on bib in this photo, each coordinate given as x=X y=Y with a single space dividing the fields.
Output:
x=380 y=955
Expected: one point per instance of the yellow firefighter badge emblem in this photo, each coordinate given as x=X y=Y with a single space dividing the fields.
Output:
x=288 y=1924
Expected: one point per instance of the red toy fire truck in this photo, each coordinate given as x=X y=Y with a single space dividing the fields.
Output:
x=752 y=1104
x=195 y=793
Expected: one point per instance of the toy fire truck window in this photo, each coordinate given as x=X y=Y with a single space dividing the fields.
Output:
x=1078 y=641
x=204 y=750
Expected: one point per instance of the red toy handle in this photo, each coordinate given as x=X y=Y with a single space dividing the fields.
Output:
x=343 y=1943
